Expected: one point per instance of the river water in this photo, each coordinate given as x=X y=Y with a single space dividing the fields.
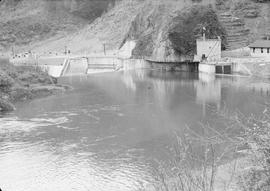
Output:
x=111 y=129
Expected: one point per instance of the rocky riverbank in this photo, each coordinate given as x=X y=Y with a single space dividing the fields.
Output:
x=20 y=83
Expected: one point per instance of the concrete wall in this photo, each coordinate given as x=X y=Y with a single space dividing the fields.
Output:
x=110 y=64
x=51 y=61
x=257 y=52
x=207 y=68
x=77 y=66
x=126 y=50
x=240 y=68
x=211 y=48
x=54 y=71
x=131 y=64
x=103 y=60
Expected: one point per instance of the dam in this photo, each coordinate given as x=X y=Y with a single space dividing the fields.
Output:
x=58 y=66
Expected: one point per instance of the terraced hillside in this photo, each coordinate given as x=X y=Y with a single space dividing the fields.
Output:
x=245 y=21
x=237 y=33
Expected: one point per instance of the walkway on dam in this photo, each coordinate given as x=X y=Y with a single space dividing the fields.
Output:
x=58 y=66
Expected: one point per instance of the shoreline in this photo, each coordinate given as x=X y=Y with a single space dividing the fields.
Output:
x=21 y=83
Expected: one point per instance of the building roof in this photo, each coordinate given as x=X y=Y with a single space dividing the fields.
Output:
x=207 y=39
x=260 y=44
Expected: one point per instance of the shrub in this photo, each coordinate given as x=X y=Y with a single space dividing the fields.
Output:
x=16 y=82
x=5 y=82
x=257 y=137
x=195 y=158
x=21 y=93
x=6 y=106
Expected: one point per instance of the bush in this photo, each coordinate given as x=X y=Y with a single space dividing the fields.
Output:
x=30 y=74
x=21 y=94
x=254 y=180
x=5 y=82
x=257 y=137
x=6 y=106
x=16 y=84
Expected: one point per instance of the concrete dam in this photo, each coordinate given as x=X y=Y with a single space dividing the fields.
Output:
x=89 y=65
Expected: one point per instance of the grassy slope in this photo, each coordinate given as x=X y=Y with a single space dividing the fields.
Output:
x=111 y=29
x=23 y=22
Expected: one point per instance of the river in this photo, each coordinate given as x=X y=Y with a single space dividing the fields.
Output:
x=112 y=128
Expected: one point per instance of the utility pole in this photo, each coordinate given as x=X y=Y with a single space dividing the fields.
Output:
x=104 y=48
x=13 y=51
x=204 y=31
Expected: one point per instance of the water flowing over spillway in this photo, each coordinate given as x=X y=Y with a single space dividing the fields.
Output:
x=110 y=132
x=77 y=66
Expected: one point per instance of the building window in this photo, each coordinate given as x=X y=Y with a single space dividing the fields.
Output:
x=203 y=57
x=253 y=50
x=261 y=50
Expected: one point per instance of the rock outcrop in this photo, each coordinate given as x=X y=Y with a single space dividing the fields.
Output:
x=166 y=32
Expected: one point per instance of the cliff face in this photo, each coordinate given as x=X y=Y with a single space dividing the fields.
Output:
x=169 y=31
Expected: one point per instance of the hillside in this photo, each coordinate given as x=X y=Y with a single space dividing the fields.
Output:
x=23 y=22
x=128 y=20
x=148 y=22
x=245 y=21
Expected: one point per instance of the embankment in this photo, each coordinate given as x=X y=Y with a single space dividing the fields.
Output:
x=246 y=64
x=20 y=83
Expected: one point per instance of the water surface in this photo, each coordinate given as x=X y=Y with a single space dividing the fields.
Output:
x=111 y=129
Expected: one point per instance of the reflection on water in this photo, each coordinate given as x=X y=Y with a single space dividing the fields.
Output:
x=208 y=91
x=110 y=131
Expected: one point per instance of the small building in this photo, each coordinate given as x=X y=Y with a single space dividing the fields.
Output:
x=208 y=49
x=209 y=56
x=260 y=48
